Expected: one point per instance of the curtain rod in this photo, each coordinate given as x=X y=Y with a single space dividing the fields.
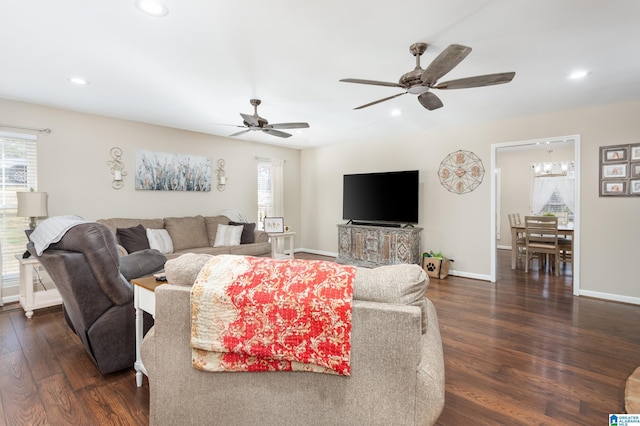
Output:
x=26 y=128
x=267 y=159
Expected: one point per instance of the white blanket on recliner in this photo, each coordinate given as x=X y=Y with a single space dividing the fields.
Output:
x=52 y=230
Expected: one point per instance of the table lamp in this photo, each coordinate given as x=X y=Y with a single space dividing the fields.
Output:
x=33 y=205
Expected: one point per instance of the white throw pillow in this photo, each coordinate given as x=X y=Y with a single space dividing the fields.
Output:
x=160 y=240
x=228 y=235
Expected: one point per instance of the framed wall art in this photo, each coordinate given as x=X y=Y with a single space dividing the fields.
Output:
x=620 y=170
x=161 y=171
x=274 y=224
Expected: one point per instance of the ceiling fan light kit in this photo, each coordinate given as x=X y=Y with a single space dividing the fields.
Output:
x=255 y=122
x=420 y=81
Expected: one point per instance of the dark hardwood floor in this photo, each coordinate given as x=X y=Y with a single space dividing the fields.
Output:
x=519 y=351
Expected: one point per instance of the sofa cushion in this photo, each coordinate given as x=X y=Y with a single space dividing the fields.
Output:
x=184 y=270
x=141 y=263
x=133 y=239
x=228 y=235
x=187 y=232
x=118 y=222
x=400 y=284
x=160 y=240
x=247 y=232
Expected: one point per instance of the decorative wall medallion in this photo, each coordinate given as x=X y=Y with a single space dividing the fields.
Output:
x=461 y=172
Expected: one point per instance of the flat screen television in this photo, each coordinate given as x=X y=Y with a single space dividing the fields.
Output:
x=381 y=198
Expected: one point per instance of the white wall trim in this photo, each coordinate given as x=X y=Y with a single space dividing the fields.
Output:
x=609 y=296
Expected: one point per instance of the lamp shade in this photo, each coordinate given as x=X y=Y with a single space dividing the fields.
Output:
x=32 y=204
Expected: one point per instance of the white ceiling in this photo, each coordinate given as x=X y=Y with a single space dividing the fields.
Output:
x=198 y=67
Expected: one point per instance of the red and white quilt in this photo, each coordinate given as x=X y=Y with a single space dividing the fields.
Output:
x=263 y=314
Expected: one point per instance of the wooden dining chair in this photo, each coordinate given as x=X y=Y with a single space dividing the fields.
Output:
x=541 y=235
x=514 y=220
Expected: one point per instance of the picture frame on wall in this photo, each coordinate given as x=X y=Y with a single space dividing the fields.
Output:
x=614 y=154
x=634 y=186
x=274 y=225
x=614 y=187
x=635 y=152
x=614 y=171
x=635 y=170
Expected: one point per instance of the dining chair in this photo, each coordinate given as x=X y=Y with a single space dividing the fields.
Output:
x=514 y=220
x=541 y=236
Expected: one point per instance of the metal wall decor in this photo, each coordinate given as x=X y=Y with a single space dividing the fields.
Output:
x=222 y=178
x=620 y=170
x=461 y=172
x=117 y=168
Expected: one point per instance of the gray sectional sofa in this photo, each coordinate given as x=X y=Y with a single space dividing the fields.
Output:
x=397 y=370
x=193 y=234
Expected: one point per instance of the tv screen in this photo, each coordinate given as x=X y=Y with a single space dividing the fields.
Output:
x=389 y=197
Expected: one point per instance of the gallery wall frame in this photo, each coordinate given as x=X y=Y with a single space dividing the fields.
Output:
x=162 y=171
x=620 y=170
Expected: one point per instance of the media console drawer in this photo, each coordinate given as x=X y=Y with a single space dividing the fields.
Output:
x=372 y=246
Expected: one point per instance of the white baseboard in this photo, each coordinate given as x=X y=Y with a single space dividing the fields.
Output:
x=481 y=277
x=318 y=252
x=609 y=296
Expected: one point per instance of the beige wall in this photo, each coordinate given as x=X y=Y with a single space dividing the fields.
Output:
x=73 y=170
x=72 y=166
x=459 y=225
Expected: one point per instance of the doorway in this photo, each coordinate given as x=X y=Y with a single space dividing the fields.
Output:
x=572 y=141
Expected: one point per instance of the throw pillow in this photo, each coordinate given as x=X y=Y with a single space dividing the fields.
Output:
x=133 y=239
x=160 y=240
x=247 y=231
x=141 y=263
x=227 y=235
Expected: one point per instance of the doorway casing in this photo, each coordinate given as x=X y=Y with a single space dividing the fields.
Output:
x=495 y=197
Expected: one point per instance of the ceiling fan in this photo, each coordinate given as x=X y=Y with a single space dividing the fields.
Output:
x=421 y=81
x=255 y=122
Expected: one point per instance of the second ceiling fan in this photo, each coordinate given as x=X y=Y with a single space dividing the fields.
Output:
x=420 y=81
x=255 y=122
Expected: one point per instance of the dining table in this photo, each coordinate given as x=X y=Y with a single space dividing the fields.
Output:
x=564 y=230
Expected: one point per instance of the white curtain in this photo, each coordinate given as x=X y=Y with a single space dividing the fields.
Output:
x=277 y=188
x=566 y=189
x=542 y=188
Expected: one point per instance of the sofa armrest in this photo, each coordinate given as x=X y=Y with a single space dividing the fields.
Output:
x=260 y=236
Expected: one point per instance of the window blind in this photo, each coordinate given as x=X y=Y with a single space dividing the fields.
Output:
x=18 y=172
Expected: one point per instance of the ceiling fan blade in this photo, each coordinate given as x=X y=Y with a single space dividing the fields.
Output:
x=240 y=132
x=380 y=100
x=374 y=82
x=253 y=121
x=444 y=62
x=430 y=101
x=289 y=125
x=477 y=81
x=278 y=133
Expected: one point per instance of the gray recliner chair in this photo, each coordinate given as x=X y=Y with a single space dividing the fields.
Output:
x=97 y=297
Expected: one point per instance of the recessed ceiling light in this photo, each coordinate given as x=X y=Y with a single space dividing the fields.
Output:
x=79 y=81
x=396 y=112
x=576 y=75
x=152 y=8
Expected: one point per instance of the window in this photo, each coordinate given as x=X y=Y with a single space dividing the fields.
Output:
x=18 y=172
x=553 y=192
x=270 y=192
x=264 y=191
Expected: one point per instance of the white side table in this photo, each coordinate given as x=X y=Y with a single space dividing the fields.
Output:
x=144 y=300
x=282 y=236
x=30 y=299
